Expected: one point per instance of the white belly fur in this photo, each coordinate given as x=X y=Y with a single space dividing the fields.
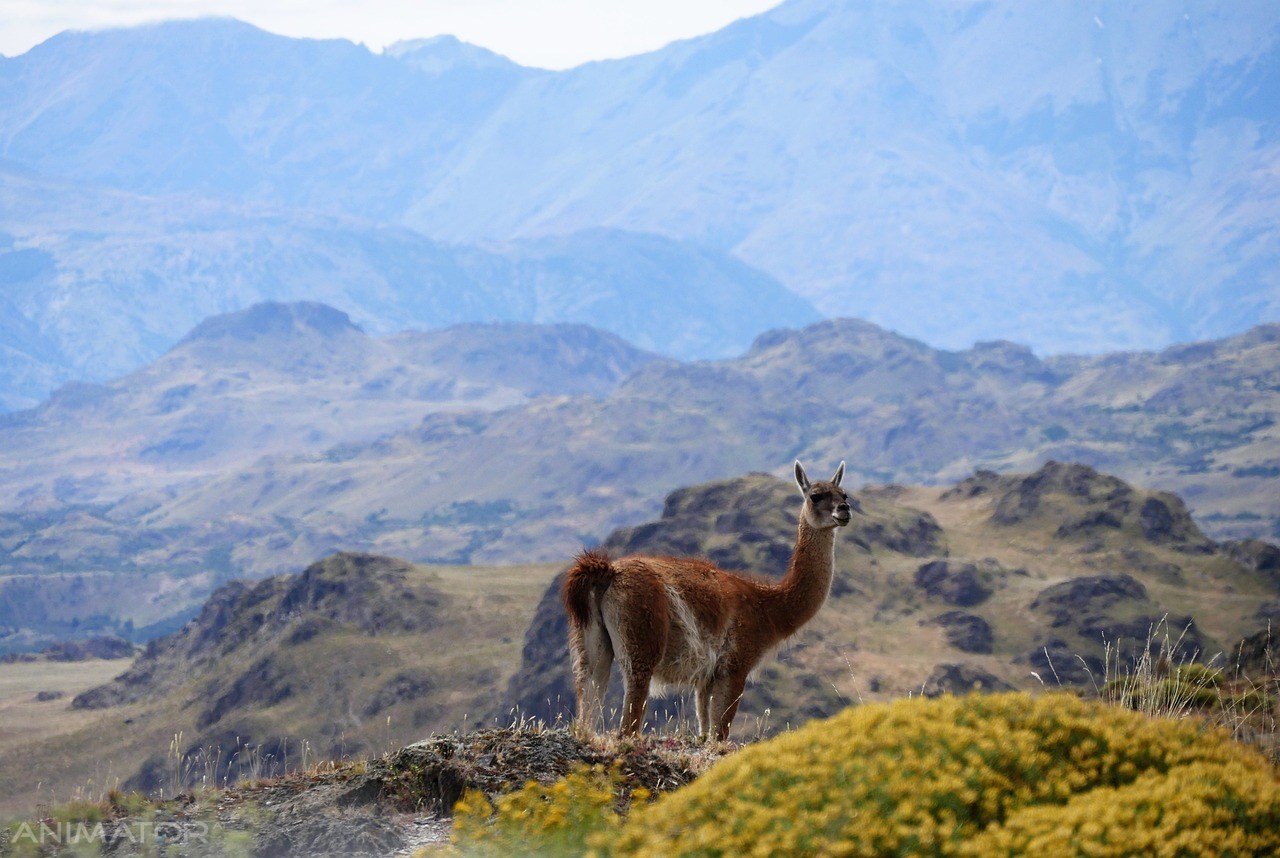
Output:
x=692 y=653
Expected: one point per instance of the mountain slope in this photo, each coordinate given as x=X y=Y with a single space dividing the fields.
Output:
x=351 y=656
x=88 y=469
x=218 y=107
x=1201 y=421
x=538 y=478
x=988 y=580
x=281 y=379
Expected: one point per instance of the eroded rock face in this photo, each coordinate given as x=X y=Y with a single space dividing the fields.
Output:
x=1257 y=555
x=962 y=679
x=1067 y=602
x=1258 y=655
x=1100 y=616
x=1165 y=520
x=1024 y=495
x=1057 y=662
x=1088 y=504
x=364 y=592
x=966 y=632
x=955 y=582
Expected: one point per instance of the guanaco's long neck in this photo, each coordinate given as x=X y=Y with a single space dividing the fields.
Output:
x=804 y=588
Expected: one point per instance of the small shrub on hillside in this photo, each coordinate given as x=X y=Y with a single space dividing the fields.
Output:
x=1003 y=773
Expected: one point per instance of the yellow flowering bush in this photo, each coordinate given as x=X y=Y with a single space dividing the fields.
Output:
x=541 y=819
x=1201 y=809
x=976 y=775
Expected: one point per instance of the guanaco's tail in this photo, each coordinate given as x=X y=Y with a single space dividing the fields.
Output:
x=591 y=570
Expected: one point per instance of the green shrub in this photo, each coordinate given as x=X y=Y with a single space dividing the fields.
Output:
x=998 y=774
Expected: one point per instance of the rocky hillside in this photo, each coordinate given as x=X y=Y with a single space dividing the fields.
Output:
x=1022 y=580
x=1201 y=421
x=291 y=641
x=85 y=470
x=286 y=378
x=354 y=655
x=543 y=440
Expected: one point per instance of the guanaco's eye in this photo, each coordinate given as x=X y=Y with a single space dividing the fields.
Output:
x=819 y=497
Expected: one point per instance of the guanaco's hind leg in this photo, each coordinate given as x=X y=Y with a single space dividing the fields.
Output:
x=638 y=664
x=636 y=616
x=592 y=657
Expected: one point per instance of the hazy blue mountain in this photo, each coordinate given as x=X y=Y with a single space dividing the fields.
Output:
x=673 y=297
x=219 y=107
x=30 y=363
x=1078 y=177
x=97 y=282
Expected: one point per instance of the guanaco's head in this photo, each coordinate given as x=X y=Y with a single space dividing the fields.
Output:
x=826 y=505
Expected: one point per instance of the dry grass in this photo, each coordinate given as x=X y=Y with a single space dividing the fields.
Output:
x=1161 y=685
x=24 y=719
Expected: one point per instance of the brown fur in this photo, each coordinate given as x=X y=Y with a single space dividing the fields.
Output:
x=591 y=572
x=685 y=622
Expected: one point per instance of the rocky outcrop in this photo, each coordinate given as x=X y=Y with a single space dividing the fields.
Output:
x=966 y=632
x=1088 y=504
x=1096 y=617
x=962 y=679
x=1067 y=602
x=982 y=482
x=1023 y=495
x=1258 y=655
x=361 y=592
x=402 y=802
x=955 y=582
x=1057 y=663
x=1262 y=557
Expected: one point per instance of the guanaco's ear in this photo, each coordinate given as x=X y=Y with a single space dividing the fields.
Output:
x=801 y=480
x=839 y=474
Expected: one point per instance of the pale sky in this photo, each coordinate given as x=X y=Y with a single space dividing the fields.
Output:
x=544 y=33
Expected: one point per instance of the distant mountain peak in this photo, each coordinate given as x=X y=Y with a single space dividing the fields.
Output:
x=272 y=319
x=445 y=53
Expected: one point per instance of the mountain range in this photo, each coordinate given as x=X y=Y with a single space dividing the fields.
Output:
x=282 y=433
x=1078 y=178
x=115 y=279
